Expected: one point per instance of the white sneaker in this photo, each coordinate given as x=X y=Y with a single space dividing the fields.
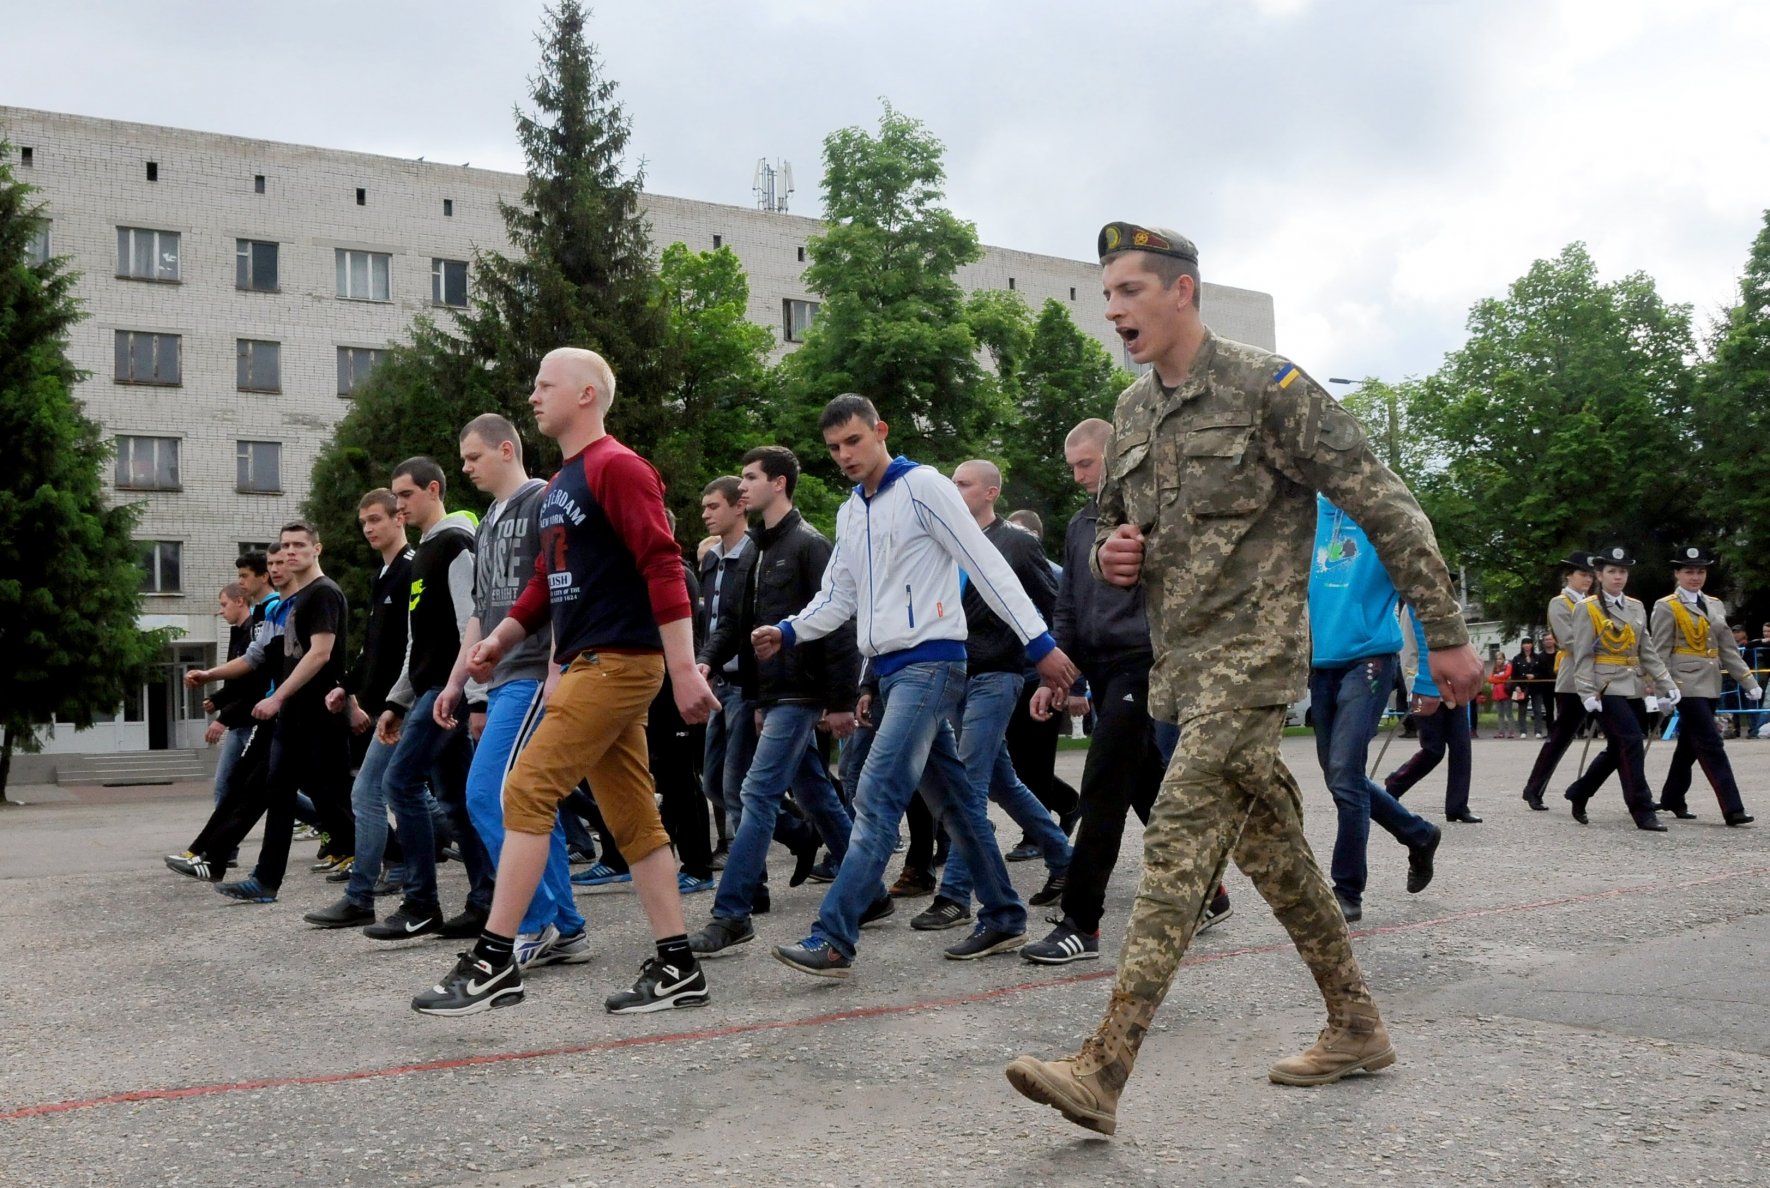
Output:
x=567 y=950
x=530 y=945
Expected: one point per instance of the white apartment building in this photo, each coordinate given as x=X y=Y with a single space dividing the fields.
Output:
x=237 y=290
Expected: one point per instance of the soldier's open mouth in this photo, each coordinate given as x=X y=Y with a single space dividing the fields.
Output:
x=1128 y=333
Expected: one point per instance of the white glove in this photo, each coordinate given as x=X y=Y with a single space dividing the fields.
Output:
x=1592 y=704
x=1652 y=703
x=1755 y=693
x=1672 y=696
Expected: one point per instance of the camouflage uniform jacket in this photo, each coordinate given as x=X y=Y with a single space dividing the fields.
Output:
x=1222 y=476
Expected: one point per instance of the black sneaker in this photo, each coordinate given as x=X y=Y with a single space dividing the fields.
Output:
x=942 y=913
x=816 y=956
x=1419 y=862
x=660 y=988
x=1352 y=911
x=1217 y=911
x=1026 y=851
x=985 y=941
x=1066 y=943
x=409 y=922
x=720 y=937
x=343 y=914
x=192 y=866
x=467 y=926
x=721 y=852
x=471 y=987
x=1052 y=891
x=878 y=910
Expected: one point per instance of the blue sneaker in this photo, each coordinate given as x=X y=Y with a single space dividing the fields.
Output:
x=823 y=872
x=601 y=874
x=531 y=945
x=247 y=890
x=687 y=884
x=816 y=956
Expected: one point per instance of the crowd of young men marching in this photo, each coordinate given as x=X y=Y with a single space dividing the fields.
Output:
x=557 y=651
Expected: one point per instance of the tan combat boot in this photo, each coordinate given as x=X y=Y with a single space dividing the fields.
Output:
x=1353 y=1040
x=1085 y=1087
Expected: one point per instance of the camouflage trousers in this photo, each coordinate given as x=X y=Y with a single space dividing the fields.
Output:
x=1227 y=793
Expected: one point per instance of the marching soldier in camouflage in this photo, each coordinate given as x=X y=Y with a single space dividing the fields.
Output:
x=1209 y=500
x=1691 y=634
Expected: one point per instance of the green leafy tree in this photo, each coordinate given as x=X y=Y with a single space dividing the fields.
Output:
x=892 y=325
x=1064 y=376
x=1733 y=420
x=1564 y=422
x=1402 y=439
x=70 y=578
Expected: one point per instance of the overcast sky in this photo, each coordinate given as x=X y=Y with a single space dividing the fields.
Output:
x=1376 y=166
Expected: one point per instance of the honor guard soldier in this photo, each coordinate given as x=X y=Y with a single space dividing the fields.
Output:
x=1216 y=456
x=1691 y=633
x=1577 y=575
x=1612 y=653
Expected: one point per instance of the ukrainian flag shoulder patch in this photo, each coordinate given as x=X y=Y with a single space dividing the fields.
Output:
x=1285 y=375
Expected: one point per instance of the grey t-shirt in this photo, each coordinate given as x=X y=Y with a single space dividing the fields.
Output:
x=509 y=540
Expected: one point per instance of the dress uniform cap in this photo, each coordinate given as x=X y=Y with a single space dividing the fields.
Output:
x=1580 y=560
x=1692 y=557
x=1131 y=237
x=1615 y=555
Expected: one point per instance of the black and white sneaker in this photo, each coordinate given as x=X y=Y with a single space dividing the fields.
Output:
x=660 y=988
x=471 y=987
x=408 y=923
x=1066 y=943
x=942 y=913
x=1217 y=911
x=985 y=941
x=191 y=866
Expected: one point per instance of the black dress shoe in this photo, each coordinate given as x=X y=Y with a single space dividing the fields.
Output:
x=1419 y=862
x=468 y=925
x=1536 y=804
x=1579 y=812
x=1677 y=810
x=1741 y=818
x=1650 y=823
x=1465 y=819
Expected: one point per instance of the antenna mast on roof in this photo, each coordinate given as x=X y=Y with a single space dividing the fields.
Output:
x=773 y=185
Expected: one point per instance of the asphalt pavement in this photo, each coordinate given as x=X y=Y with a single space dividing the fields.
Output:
x=1571 y=1005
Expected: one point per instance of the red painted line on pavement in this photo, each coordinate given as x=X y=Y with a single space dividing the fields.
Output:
x=859 y=1014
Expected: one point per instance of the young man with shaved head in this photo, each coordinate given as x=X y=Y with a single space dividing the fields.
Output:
x=609 y=579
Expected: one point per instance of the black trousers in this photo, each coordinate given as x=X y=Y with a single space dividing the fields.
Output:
x=1446 y=730
x=1123 y=771
x=674 y=750
x=1699 y=741
x=1625 y=754
x=284 y=757
x=1569 y=715
x=1032 y=745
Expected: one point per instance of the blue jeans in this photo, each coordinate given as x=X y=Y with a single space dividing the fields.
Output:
x=513 y=710
x=786 y=754
x=1348 y=703
x=990 y=700
x=731 y=737
x=233 y=745
x=913 y=713
x=369 y=803
x=426 y=754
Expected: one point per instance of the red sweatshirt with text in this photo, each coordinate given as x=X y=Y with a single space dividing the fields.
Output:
x=609 y=570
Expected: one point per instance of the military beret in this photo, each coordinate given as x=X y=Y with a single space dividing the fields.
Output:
x=1129 y=237
x=1691 y=557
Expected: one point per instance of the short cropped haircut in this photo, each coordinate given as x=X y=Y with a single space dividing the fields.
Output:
x=1091 y=432
x=494 y=429
x=380 y=497
x=252 y=559
x=234 y=592
x=726 y=487
x=273 y=548
x=1167 y=269
x=301 y=526
x=779 y=462
x=424 y=471
x=1029 y=520
x=845 y=408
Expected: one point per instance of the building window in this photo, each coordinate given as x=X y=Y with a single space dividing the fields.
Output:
x=260 y=467
x=797 y=317
x=362 y=196
x=162 y=566
x=27 y=156
x=37 y=246
x=363 y=276
x=147 y=464
x=448 y=208
x=153 y=171
x=354 y=365
x=1072 y=292
x=255 y=265
x=258 y=365
x=718 y=242
x=253 y=546
x=1010 y=283
x=448 y=282
x=147 y=358
x=802 y=255
x=258 y=183
x=143 y=254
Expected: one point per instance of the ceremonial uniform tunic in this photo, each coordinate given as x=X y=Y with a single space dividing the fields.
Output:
x=1221 y=476
x=1697 y=645
x=1569 y=715
x=1612 y=656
